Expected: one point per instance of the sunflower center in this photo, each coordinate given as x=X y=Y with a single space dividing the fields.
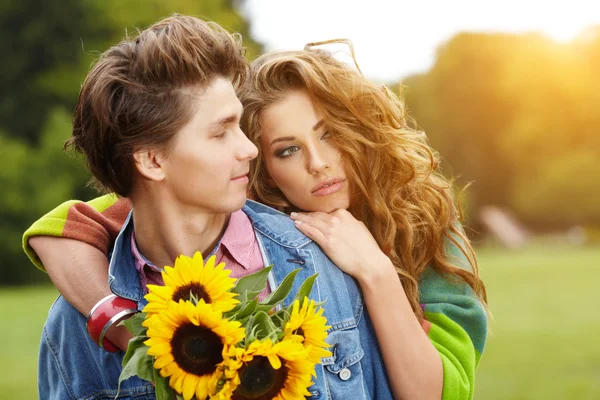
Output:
x=259 y=380
x=299 y=332
x=196 y=349
x=195 y=289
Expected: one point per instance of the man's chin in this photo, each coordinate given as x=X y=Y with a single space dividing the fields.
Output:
x=235 y=204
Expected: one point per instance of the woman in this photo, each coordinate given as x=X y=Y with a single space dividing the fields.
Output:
x=336 y=145
x=339 y=148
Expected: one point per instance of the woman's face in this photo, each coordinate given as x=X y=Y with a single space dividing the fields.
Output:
x=300 y=158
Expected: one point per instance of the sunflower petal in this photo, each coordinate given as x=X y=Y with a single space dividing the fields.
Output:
x=275 y=361
x=189 y=386
x=201 y=392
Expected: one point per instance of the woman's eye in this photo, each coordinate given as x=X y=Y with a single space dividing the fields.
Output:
x=325 y=135
x=220 y=135
x=286 y=152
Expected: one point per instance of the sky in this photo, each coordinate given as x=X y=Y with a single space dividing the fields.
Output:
x=396 y=38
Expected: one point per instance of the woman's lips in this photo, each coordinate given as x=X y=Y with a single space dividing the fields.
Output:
x=329 y=187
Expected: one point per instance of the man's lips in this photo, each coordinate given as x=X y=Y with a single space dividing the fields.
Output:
x=240 y=177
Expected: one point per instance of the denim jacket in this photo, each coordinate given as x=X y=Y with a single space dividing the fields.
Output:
x=71 y=366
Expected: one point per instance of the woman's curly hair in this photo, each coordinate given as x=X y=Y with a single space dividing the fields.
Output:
x=397 y=191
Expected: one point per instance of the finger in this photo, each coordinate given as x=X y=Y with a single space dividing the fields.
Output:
x=320 y=215
x=315 y=214
x=342 y=214
x=312 y=232
x=329 y=219
x=319 y=223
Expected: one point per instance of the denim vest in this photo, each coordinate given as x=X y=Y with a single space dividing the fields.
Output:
x=71 y=366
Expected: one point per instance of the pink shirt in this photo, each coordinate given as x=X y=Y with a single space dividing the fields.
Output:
x=238 y=249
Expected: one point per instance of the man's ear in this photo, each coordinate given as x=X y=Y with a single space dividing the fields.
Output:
x=150 y=163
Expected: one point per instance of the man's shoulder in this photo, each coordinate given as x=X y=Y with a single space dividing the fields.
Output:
x=261 y=208
x=274 y=224
x=257 y=211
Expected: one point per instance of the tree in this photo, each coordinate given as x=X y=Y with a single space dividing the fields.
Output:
x=516 y=115
x=52 y=45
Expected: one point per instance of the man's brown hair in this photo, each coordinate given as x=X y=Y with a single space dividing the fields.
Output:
x=137 y=95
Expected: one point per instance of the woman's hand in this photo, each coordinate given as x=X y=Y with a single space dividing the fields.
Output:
x=345 y=240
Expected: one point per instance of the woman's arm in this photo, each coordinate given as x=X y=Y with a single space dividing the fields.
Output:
x=458 y=323
x=434 y=360
x=71 y=243
x=80 y=273
x=96 y=222
x=411 y=360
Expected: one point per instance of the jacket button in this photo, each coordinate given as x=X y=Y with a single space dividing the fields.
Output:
x=345 y=374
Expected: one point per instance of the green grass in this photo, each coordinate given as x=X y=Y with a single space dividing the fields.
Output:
x=543 y=343
x=544 y=339
x=24 y=311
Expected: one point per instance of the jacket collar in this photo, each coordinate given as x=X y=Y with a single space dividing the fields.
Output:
x=274 y=224
x=123 y=278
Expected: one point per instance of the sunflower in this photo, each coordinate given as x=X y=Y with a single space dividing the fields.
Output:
x=308 y=326
x=190 y=276
x=233 y=361
x=267 y=371
x=188 y=342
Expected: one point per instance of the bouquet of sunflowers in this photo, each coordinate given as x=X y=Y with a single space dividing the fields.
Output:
x=204 y=335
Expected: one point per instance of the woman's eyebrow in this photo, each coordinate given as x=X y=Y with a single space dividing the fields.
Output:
x=318 y=125
x=281 y=139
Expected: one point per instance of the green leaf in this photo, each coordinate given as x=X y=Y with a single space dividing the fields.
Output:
x=306 y=287
x=162 y=388
x=250 y=330
x=138 y=363
x=320 y=303
x=244 y=299
x=248 y=309
x=265 y=327
x=281 y=317
x=249 y=295
x=282 y=290
x=262 y=307
x=256 y=282
x=134 y=324
x=134 y=344
x=193 y=298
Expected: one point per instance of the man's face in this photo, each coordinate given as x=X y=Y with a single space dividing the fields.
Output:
x=208 y=161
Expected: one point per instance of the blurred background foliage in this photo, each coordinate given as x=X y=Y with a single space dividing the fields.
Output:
x=517 y=115
x=49 y=47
